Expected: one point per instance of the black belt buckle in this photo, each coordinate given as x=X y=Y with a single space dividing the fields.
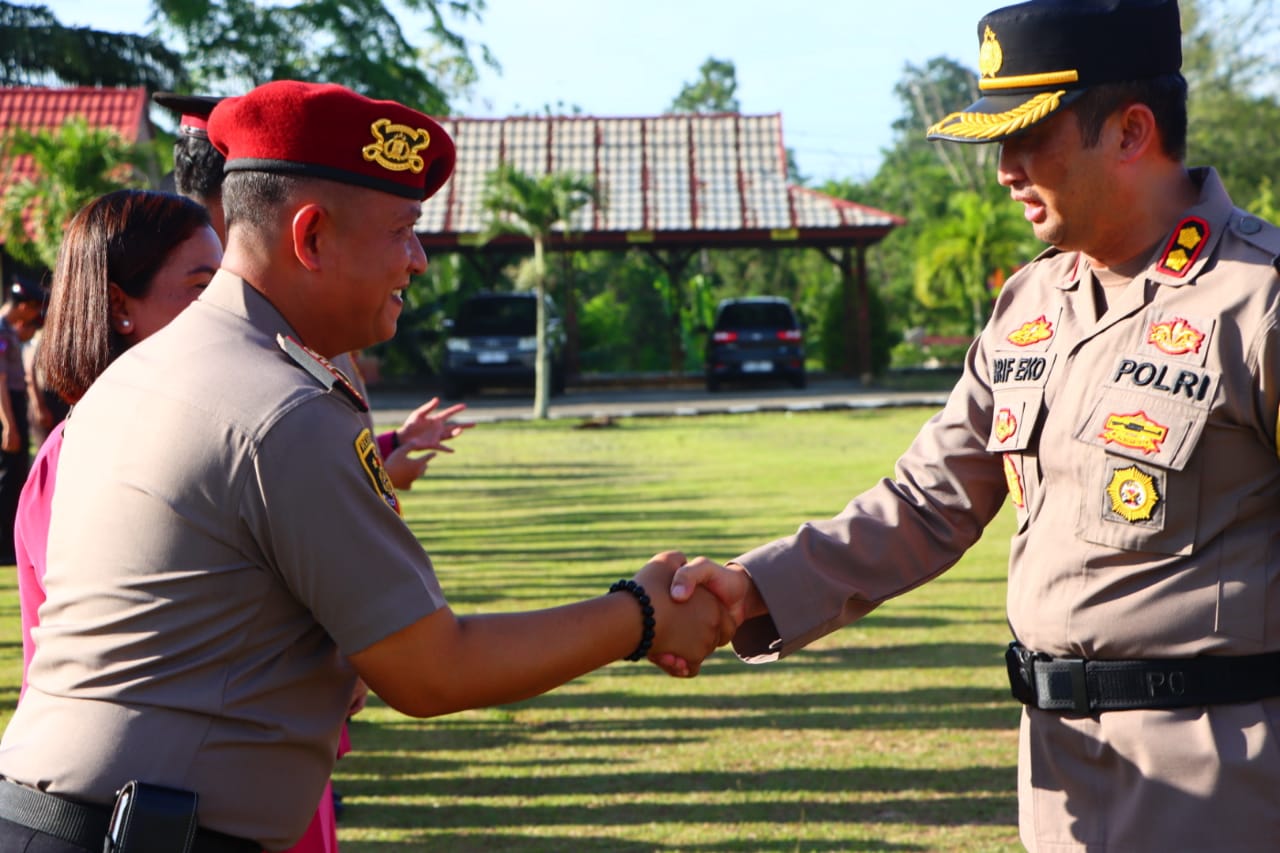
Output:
x=1061 y=686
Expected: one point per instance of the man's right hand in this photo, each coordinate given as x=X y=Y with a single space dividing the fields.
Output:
x=730 y=583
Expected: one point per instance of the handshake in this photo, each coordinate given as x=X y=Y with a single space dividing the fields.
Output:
x=698 y=606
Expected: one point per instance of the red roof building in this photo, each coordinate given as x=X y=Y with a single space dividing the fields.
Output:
x=666 y=181
x=32 y=108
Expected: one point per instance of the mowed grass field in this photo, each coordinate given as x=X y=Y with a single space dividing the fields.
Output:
x=896 y=733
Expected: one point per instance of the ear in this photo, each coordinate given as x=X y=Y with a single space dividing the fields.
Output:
x=308 y=232
x=118 y=309
x=1138 y=132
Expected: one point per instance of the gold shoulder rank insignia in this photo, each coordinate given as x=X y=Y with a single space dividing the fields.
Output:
x=371 y=461
x=1184 y=247
x=1133 y=494
x=396 y=146
x=320 y=368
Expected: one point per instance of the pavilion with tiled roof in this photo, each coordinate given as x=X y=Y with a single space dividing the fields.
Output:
x=671 y=185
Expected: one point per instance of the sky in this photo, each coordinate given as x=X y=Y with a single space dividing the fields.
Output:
x=828 y=66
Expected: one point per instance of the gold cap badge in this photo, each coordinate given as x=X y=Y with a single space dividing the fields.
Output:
x=990 y=55
x=397 y=146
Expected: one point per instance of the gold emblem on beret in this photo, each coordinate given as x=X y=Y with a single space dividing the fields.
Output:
x=1133 y=494
x=990 y=55
x=397 y=146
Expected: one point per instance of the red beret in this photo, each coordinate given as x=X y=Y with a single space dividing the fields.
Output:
x=328 y=131
x=193 y=111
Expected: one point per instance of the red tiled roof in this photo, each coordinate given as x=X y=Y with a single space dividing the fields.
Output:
x=666 y=180
x=31 y=108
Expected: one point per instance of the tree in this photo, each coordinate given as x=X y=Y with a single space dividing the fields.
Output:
x=958 y=255
x=35 y=49
x=518 y=203
x=74 y=164
x=1231 y=66
x=237 y=44
x=715 y=91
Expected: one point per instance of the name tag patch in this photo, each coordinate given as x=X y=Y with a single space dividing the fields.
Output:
x=1176 y=381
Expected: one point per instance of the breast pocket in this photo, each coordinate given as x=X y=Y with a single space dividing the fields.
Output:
x=1143 y=492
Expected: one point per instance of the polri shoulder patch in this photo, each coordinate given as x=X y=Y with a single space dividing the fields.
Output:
x=367 y=451
x=320 y=368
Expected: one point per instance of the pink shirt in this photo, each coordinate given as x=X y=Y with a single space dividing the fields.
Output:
x=31 y=536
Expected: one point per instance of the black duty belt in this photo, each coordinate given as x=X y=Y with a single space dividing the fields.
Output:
x=85 y=824
x=1079 y=686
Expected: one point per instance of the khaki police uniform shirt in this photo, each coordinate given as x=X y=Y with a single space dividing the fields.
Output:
x=220 y=540
x=1139 y=450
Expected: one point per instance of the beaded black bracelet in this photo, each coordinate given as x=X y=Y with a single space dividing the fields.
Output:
x=646 y=615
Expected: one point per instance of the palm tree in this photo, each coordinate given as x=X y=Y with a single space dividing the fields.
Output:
x=518 y=203
x=958 y=253
x=74 y=164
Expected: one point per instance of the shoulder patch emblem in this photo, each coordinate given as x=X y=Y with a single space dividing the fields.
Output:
x=1014 y=479
x=396 y=146
x=1133 y=494
x=1135 y=431
x=320 y=368
x=1033 y=332
x=371 y=461
x=1175 y=337
x=1184 y=247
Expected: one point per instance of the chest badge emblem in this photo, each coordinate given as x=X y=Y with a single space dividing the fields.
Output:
x=1175 y=337
x=1135 y=431
x=1039 y=329
x=1006 y=425
x=1133 y=494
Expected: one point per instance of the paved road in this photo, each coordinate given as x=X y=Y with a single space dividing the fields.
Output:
x=684 y=399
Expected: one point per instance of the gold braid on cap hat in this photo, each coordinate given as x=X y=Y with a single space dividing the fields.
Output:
x=992 y=125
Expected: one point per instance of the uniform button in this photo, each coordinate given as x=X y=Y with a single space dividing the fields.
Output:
x=1250 y=225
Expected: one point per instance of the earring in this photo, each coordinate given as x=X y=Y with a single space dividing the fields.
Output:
x=126 y=323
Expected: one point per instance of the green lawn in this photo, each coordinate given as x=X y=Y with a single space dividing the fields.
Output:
x=896 y=733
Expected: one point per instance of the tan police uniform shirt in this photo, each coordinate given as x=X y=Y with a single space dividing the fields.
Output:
x=220 y=540
x=1139 y=450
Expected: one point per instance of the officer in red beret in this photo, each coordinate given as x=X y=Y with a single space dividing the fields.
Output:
x=1124 y=400
x=213 y=597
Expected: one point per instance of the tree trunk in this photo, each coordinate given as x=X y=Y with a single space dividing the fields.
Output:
x=542 y=372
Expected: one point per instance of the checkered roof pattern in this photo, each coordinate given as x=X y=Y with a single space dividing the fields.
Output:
x=690 y=174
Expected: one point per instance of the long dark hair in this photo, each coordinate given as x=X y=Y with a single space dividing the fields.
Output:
x=120 y=238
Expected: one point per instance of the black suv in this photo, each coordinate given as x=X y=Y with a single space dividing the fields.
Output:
x=756 y=337
x=493 y=341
